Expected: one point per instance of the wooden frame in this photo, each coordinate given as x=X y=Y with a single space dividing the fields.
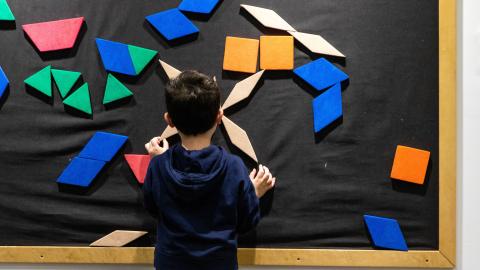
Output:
x=442 y=258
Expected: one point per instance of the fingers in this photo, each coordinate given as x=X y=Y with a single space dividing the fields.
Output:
x=252 y=174
x=261 y=172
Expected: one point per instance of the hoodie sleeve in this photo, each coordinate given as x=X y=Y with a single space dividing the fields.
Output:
x=248 y=204
x=148 y=201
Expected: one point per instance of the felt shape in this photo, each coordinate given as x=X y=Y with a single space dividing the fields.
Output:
x=241 y=54
x=385 y=233
x=81 y=172
x=168 y=132
x=65 y=80
x=320 y=74
x=139 y=165
x=242 y=90
x=268 y=18
x=115 y=56
x=198 y=6
x=172 y=24
x=5 y=12
x=276 y=52
x=54 y=35
x=80 y=99
x=140 y=57
x=103 y=146
x=115 y=90
x=118 y=238
x=316 y=44
x=410 y=164
x=3 y=82
x=327 y=107
x=239 y=137
x=41 y=81
x=171 y=72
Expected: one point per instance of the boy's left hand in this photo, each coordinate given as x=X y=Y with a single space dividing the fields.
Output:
x=153 y=146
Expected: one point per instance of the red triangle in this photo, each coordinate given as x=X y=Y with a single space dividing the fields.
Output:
x=54 y=35
x=139 y=165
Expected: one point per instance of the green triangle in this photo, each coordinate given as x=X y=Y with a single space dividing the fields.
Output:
x=115 y=90
x=41 y=81
x=5 y=12
x=65 y=80
x=80 y=99
x=140 y=57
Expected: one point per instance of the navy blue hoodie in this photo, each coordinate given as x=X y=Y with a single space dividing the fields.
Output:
x=202 y=200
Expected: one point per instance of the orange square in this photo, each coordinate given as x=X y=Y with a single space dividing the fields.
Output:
x=276 y=52
x=410 y=164
x=241 y=54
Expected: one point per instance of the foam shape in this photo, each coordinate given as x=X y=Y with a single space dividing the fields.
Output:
x=320 y=74
x=54 y=35
x=81 y=172
x=327 y=107
x=65 y=80
x=115 y=90
x=242 y=90
x=140 y=57
x=5 y=12
x=103 y=146
x=115 y=57
x=172 y=24
x=198 y=6
x=268 y=18
x=80 y=99
x=41 y=81
x=276 y=52
x=3 y=82
x=239 y=137
x=168 y=132
x=410 y=164
x=316 y=44
x=171 y=72
x=139 y=165
x=118 y=238
x=241 y=54
x=385 y=233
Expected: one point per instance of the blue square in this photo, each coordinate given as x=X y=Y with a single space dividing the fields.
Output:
x=103 y=146
x=327 y=107
x=3 y=82
x=320 y=74
x=115 y=56
x=198 y=6
x=81 y=172
x=385 y=233
x=172 y=24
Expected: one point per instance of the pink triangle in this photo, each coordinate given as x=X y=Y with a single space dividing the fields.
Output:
x=54 y=35
x=139 y=165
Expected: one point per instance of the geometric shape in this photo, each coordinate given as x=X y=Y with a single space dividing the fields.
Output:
x=118 y=238
x=5 y=12
x=103 y=146
x=198 y=6
x=3 y=82
x=320 y=74
x=241 y=54
x=65 y=80
x=242 y=90
x=327 y=107
x=169 y=132
x=276 y=52
x=81 y=172
x=239 y=138
x=171 y=72
x=172 y=24
x=54 y=35
x=139 y=165
x=80 y=99
x=41 y=81
x=115 y=56
x=140 y=57
x=115 y=90
x=385 y=233
x=268 y=18
x=316 y=44
x=410 y=164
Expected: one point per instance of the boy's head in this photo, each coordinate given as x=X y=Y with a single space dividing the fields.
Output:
x=193 y=102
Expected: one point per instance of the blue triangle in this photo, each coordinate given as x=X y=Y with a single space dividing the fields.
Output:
x=172 y=24
x=81 y=172
x=198 y=6
x=385 y=233
x=103 y=146
x=3 y=82
x=320 y=74
x=327 y=107
x=115 y=56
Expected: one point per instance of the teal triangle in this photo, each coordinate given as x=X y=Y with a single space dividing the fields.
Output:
x=41 y=81
x=65 y=80
x=80 y=99
x=5 y=12
x=115 y=90
x=140 y=57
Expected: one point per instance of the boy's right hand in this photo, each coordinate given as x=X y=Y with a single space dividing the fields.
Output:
x=153 y=146
x=263 y=181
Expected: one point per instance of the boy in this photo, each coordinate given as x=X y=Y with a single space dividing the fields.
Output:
x=202 y=196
